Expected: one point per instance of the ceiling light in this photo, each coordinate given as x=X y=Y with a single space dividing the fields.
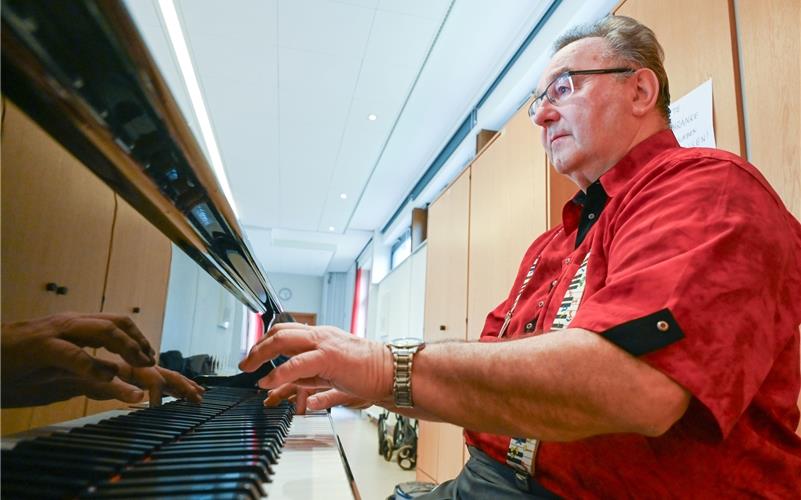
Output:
x=344 y=196
x=173 y=23
x=330 y=228
x=372 y=117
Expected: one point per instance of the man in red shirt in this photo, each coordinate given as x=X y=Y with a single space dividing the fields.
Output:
x=649 y=345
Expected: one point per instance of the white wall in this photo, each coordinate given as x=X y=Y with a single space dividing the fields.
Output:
x=307 y=291
x=201 y=317
x=397 y=303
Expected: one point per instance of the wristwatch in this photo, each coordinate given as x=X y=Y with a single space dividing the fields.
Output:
x=403 y=350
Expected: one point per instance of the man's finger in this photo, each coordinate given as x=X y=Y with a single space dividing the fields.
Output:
x=67 y=356
x=116 y=389
x=181 y=387
x=302 y=366
x=279 y=394
x=126 y=324
x=288 y=342
x=102 y=332
x=330 y=398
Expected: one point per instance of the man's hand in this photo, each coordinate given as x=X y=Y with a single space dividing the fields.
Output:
x=323 y=357
x=43 y=361
x=314 y=399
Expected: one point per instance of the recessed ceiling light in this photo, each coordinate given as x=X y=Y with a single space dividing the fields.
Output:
x=330 y=228
x=372 y=117
x=344 y=196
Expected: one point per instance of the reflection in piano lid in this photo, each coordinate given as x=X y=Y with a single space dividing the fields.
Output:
x=229 y=446
x=82 y=71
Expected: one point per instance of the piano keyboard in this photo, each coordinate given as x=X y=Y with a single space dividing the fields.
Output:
x=229 y=446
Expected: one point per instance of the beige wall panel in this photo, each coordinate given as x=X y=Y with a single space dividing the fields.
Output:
x=428 y=449
x=451 y=452
x=698 y=39
x=56 y=223
x=770 y=48
x=440 y=445
x=138 y=272
x=446 y=273
x=508 y=209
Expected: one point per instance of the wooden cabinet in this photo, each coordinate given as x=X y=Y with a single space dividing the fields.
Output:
x=58 y=220
x=441 y=446
x=700 y=43
x=772 y=102
x=508 y=209
x=138 y=268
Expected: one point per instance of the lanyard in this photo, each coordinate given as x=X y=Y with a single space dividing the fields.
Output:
x=528 y=277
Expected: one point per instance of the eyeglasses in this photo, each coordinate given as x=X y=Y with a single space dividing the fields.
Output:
x=562 y=86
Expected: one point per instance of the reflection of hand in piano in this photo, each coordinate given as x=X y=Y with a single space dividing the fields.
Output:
x=43 y=361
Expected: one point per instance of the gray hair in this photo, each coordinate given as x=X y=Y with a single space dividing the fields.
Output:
x=630 y=42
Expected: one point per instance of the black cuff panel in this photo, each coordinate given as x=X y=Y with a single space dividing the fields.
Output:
x=647 y=334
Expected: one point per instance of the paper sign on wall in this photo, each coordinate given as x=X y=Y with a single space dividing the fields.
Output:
x=691 y=117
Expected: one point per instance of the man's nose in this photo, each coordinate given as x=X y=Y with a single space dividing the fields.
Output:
x=545 y=113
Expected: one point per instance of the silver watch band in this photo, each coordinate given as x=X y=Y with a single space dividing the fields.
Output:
x=402 y=386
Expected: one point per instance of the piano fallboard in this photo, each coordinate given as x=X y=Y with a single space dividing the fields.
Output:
x=229 y=446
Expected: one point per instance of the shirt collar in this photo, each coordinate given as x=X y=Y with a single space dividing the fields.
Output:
x=616 y=178
x=640 y=155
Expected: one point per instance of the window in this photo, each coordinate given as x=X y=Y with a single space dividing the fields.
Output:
x=401 y=250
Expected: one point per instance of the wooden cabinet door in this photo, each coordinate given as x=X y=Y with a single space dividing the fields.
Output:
x=56 y=223
x=508 y=209
x=699 y=42
x=138 y=271
x=440 y=445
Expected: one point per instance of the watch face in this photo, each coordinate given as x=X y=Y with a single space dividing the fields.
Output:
x=406 y=342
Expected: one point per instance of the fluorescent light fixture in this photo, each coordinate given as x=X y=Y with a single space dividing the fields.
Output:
x=343 y=196
x=330 y=228
x=173 y=23
x=372 y=117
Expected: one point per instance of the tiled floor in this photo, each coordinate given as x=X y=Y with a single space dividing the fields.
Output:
x=375 y=477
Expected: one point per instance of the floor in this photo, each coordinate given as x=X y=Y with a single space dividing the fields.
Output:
x=375 y=477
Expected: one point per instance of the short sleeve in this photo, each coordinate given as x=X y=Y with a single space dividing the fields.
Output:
x=697 y=263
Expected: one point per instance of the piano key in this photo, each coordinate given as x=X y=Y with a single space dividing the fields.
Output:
x=214 y=489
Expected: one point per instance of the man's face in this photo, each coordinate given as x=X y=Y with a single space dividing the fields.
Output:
x=582 y=134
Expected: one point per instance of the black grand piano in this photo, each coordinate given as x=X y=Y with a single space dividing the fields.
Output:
x=80 y=69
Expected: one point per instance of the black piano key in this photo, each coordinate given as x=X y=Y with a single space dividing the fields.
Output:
x=97 y=440
x=82 y=458
x=38 y=491
x=211 y=490
x=152 y=469
x=242 y=477
x=103 y=451
x=42 y=468
x=242 y=457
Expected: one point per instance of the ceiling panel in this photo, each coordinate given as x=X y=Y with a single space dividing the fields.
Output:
x=430 y=9
x=324 y=26
x=399 y=40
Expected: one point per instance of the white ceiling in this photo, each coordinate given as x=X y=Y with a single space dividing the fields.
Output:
x=289 y=85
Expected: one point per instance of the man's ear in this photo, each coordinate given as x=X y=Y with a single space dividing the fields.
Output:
x=646 y=91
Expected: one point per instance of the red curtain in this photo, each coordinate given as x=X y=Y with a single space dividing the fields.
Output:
x=357 y=298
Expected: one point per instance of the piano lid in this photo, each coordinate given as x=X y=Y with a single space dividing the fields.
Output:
x=82 y=71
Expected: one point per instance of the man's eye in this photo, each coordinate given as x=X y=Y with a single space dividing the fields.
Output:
x=561 y=89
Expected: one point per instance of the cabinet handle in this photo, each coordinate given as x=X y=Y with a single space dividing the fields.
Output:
x=136 y=310
x=442 y=328
x=62 y=290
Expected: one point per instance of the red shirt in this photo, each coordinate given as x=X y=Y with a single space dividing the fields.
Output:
x=692 y=263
